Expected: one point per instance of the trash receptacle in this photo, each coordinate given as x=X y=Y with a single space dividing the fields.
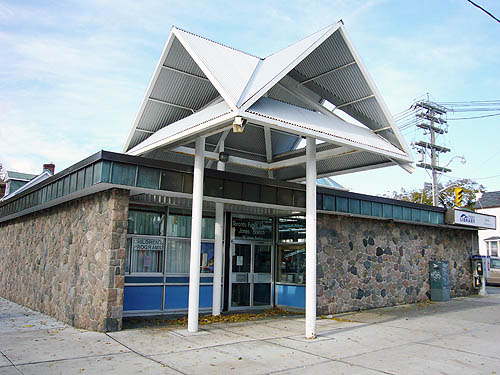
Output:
x=440 y=280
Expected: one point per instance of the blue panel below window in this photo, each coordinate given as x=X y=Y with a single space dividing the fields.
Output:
x=144 y=279
x=177 y=296
x=185 y=279
x=291 y=295
x=142 y=298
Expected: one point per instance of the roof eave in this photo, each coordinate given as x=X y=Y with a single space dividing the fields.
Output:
x=149 y=89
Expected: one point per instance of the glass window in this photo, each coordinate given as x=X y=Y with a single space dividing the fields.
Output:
x=147 y=254
x=148 y=177
x=179 y=225
x=494 y=248
x=292 y=264
x=495 y=263
x=377 y=209
x=366 y=208
x=397 y=212
x=123 y=174
x=178 y=256
x=387 y=211
x=292 y=229
x=341 y=204
x=354 y=206
x=328 y=202
x=144 y=222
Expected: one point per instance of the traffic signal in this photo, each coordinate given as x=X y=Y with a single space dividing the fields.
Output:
x=459 y=195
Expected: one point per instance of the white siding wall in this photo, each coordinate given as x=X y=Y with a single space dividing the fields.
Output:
x=486 y=233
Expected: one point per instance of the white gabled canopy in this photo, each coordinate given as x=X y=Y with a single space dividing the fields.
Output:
x=317 y=87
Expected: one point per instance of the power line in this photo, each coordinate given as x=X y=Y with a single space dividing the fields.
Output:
x=474 y=178
x=470 y=118
x=484 y=10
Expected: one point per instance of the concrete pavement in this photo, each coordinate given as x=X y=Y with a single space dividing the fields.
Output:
x=461 y=336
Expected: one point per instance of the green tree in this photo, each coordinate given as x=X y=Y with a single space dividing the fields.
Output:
x=446 y=194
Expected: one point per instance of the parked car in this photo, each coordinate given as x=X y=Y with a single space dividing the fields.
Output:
x=494 y=272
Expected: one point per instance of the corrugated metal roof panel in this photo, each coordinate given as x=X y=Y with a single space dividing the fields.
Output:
x=184 y=125
x=333 y=165
x=177 y=88
x=348 y=84
x=371 y=108
x=282 y=142
x=279 y=62
x=179 y=58
x=324 y=127
x=230 y=67
x=331 y=54
x=279 y=93
x=158 y=115
x=241 y=141
x=138 y=137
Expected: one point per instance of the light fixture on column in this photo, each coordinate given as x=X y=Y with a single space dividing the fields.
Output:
x=238 y=124
x=223 y=157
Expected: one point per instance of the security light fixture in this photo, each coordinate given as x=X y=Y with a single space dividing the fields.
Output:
x=223 y=157
x=238 y=124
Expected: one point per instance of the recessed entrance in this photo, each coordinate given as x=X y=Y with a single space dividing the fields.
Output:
x=251 y=275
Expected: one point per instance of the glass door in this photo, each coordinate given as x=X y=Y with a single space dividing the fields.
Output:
x=262 y=275
x=251 y=275
x=240 y=275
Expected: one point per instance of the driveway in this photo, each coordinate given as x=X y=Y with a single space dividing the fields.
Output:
x=456 y=337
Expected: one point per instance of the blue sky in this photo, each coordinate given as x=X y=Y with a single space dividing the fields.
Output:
x=73 y=73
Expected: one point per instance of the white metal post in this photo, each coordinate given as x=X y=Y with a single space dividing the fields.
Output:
x=219 y=221
x=196 y=217
x=310 y=238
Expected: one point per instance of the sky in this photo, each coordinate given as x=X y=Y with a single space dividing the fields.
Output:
x=73 y=73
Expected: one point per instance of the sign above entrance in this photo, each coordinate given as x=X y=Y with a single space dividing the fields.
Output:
x=253 y=229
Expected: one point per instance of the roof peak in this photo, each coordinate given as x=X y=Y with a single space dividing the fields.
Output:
x=215 y=42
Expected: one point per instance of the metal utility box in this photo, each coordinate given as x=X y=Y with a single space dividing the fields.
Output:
x=440 y=280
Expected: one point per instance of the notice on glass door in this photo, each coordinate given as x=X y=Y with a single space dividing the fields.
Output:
x=239 y=260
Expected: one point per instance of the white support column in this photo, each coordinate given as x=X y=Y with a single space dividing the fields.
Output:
x=310 y=238
x=196 y=216
x=219 y=231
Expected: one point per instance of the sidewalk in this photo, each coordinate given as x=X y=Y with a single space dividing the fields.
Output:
x=457 y=337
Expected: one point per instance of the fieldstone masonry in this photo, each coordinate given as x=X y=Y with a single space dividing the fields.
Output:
x=366 y=263
x=68 y=261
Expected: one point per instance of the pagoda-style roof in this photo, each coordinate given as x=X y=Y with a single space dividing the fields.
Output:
x=317 y=87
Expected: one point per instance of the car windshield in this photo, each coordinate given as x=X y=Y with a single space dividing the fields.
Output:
x=495 y=263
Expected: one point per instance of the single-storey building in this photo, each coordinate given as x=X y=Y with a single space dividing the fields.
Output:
x=206 y=209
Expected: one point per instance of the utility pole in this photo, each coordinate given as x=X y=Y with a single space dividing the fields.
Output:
x=433 y=123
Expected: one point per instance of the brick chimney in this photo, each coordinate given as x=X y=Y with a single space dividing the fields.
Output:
x=50 y=167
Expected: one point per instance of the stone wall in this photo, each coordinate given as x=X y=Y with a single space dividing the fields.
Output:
x=68 y=261
x=366 y=263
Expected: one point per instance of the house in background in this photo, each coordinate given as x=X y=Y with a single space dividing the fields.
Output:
x=16 y=182
x=489 y=203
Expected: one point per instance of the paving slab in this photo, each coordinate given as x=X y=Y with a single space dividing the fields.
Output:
x=435 y=325
x=291 y=325
x=261 y=331
x=9 y=370
x=483 y=342
x=4 y=361
x=256 y=357
x=423 y=359
x=48 y=345
x=157 y=341
x=331 y=367
x=126 y=363
x=14 y=317
x=340 y=343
